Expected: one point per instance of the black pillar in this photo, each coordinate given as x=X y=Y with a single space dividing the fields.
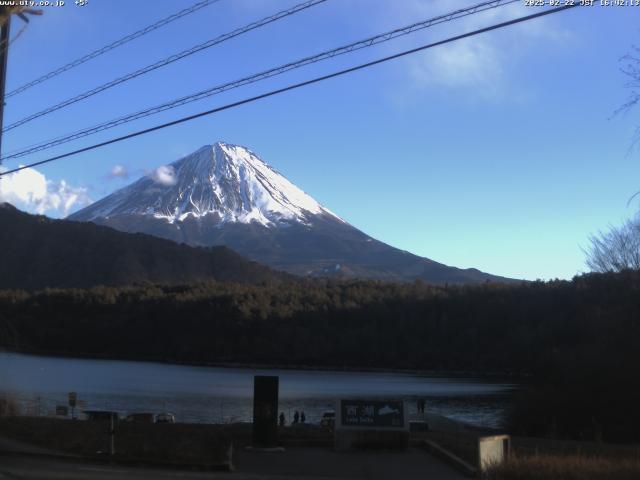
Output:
x=265 y=411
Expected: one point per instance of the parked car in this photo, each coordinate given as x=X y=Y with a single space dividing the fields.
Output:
x=101 y=415
x=328 y=419
x=140 y=418
x=165 y=418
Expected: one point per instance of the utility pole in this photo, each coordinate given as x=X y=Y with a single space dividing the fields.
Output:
x=4 y=55
x=6 y=12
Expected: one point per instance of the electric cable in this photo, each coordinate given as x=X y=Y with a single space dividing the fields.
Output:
x=368 y=42
x=111 y=46
x=294 y=86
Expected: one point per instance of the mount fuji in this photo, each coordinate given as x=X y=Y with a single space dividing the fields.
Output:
x=224 y=194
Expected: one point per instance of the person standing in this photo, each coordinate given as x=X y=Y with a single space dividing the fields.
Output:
x=303 y=417
x=281 y=418
x=296 y=417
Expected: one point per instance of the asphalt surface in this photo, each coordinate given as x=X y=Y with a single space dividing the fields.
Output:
x=318 y=463
x=294 y=463
x=21 y=467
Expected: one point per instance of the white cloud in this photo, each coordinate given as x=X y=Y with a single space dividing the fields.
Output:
x=118 y=171
x=486 y=61
x=460 y=64
x=31 y=191
x=164 y=175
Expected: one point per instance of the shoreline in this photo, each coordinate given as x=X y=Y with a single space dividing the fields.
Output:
x=496 y=376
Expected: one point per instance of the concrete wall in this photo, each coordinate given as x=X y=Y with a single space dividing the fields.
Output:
x=492 y=450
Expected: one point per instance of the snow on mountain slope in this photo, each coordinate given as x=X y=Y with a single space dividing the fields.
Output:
x=227 y=182
x=226 y=195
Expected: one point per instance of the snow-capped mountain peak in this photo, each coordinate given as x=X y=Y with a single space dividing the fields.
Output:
x=228 y=182
x=224 y=194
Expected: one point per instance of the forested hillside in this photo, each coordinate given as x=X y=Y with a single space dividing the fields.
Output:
x=579 y=339
x=39 y=252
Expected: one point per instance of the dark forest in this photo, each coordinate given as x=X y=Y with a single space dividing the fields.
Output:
x=575 y=342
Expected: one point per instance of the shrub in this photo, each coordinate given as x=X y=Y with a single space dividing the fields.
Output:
x=9 y=407
x=571 y=467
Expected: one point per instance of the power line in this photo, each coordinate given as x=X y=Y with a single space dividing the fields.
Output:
x=168 y=60
x=294 y=86
x=368 y=42
x=5 y=42
x=111 y=46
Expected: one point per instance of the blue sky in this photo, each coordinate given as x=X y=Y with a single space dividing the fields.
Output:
x=500 y=152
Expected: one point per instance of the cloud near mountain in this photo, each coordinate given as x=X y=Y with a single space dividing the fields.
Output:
x=225 y=194
x=32 y=191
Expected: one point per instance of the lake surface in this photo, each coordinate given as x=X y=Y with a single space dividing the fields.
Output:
x=220 y=395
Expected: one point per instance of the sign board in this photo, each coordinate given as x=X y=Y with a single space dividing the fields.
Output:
x=73 y=397
x=265 y=411
x=375 y=423
x=376 y=414
x=62 y=410
x=492 y=451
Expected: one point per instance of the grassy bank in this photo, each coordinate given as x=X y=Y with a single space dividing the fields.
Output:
x=464 y=444
x=570 y=467
x=170 y=443
x=167 y=443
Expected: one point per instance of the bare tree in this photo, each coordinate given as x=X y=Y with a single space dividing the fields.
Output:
x=617 y=249
x=630 y=67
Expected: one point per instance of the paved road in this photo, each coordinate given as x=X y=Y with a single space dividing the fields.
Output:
x=325 y=463
x=295 y=463
x=14 y=467
x=11 y=445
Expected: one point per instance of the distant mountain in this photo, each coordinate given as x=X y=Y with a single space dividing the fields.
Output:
x=39 y=252
x=224 y=194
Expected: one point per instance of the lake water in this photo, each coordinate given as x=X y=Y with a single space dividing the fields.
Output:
x=221 y=395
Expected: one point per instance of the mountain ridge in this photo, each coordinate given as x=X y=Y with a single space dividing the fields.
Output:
x=39 y=252
x=224 y=194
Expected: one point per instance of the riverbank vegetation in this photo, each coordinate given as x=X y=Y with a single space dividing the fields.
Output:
x=565 y=467
x=166 y=443
x=163 y=444
x=578 y=339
